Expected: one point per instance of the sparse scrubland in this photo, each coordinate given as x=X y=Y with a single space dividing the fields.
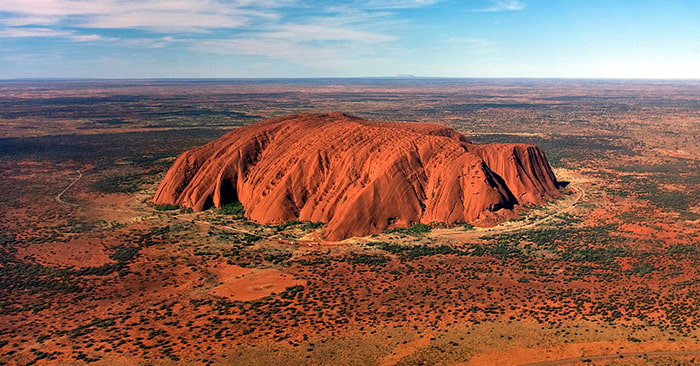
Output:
x=101 y=275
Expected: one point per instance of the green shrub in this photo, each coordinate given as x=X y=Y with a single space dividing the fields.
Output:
x=232 y=209
x=419 y=228
x=416 y=229
x=416 y=251
x=119 y=184
x=166 y=207
x=291 y=292
x=124 y=254
x=309 y=225
x=369 y=259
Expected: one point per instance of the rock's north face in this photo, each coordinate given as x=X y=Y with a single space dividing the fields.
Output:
x=360 y=177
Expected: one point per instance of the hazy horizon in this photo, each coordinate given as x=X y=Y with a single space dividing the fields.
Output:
x=348 y=78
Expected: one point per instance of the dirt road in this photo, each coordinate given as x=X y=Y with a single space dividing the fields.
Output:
x=589 y=359
x=59 y=196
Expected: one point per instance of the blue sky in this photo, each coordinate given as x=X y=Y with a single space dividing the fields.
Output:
x=349 y=38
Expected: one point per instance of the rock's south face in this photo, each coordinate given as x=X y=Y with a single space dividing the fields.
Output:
x=360 y=177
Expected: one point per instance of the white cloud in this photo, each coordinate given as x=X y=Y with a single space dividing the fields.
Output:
x=301 y=32
x=33 y=58
x=103 y=7
x=164 y=22
x=336 y=21
x=322 y=32
x=332 y=38
x=326 y=55
x=505 y=5
x=299 y=54
x=391 y=4
x=150 y=42
x=153 y=15
x=17 y=21
x=91 y=38
x=32 y=32
x=59 y=8
x=53 y=33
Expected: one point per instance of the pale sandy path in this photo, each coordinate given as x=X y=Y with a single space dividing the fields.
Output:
x=510 y=226
x=567 y=361
x=59 y=196
x=581 y=195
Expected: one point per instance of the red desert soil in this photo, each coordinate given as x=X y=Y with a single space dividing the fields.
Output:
x=574 y=354
x=246 y=284
x=360 y=177
x=78 y=252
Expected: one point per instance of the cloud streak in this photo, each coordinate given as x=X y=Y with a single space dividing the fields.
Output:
x=321 y=57
x=504 y=5
x=32 y=32
x=390 y=4
x=152 y=15
x=302 y=32
x=322 y=32
x=171 y=16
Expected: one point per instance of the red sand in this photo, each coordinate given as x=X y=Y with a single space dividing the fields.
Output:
x=245 y=284
x=77 y=252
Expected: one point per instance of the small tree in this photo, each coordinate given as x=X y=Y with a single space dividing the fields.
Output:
x=232 y=209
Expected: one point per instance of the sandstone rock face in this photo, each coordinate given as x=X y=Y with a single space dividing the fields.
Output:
x=360 y=177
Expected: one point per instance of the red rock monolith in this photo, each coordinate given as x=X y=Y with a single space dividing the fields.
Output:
x=357 y=176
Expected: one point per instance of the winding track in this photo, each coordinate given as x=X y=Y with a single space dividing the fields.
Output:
x=141 y=214
x=511 y=226
x=566 y=361
x=581 y=195
x=59 y=197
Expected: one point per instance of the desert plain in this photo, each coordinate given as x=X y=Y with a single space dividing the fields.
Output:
x=92 y=271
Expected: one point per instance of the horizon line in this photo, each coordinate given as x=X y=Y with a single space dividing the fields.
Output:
x=399 y=77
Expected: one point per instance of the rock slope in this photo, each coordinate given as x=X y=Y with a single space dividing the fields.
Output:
x=360 y=177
